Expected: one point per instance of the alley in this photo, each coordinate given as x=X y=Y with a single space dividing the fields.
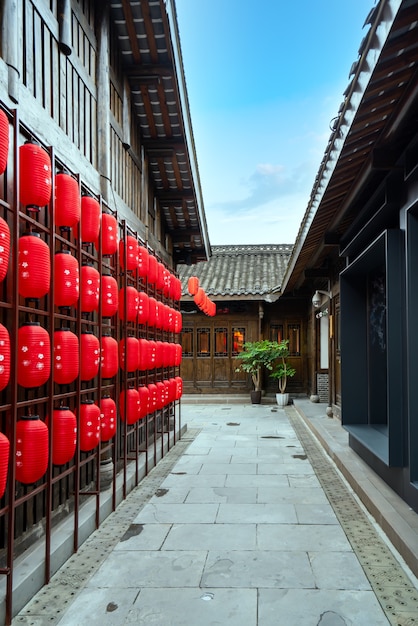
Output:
x=245 y=521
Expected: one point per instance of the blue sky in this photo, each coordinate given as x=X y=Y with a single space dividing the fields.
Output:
x=264 y=80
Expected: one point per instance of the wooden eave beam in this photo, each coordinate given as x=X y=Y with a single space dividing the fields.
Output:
x=149 y=29
x=130 y=26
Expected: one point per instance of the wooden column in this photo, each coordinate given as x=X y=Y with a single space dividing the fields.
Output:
x=103 y=99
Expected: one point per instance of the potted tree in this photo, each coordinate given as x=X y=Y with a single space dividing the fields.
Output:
x=255 y=356
x=281 y=370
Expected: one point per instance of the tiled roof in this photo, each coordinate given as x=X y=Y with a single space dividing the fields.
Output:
x=248 y=271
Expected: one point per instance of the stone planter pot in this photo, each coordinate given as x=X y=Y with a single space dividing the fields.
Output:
x=282 y=399
x=255 y=396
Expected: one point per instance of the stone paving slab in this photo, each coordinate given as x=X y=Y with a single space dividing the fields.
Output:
x=240 y=532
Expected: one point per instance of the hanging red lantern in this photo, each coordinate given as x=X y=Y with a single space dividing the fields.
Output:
x=160 y=394
x=170 y=320
x=132 y=301
x=129 y=406
x=152 y=354
x=4 y=141
x=90 y=220
x=143 y=395
x=160 y=276
x=143 y=261
x=110 y=296
x=35 y=181
x=176 y=288
x=4 y=357
x=66 y=279
x=179 y=387
x=109 y=234
x=131 y=253
x=152 y=269
x=33 y=355
x=89 y=355
x=193 y=285
x=67 y=201
x=89 y=425
x=164 y=313
x=172 y=389
x=129 y=354
x=34 y=271
x=153 y=397
x=152 y=311
x=143 y=352
x=110 y=357
x=178 y=354
x=4 y=248
x=4 y=462
x=108 y=418
x=178 y=322
x=143 y=307
x=159 y=346
x=90 y=289
x=64 y=435
x=31 y=449
x=66 y=356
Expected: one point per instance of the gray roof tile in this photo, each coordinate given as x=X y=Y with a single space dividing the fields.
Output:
x=242 y=270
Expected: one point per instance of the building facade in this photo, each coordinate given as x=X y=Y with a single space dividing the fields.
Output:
x=93 y=100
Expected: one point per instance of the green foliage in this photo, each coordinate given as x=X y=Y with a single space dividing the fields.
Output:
x=255 y=356
x=281 y=370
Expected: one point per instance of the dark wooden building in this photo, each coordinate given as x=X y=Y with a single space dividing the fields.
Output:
x=99 y=86
x=357 y=245
x=243 y=281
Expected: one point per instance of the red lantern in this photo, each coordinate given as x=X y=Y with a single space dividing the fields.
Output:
x=67 y=201
x=4 y=248
x=4 y=462
x=31 y=449
x=33 y=355
x=143 y=352
x=152 y=269
x=131 y=304
x=152 y=354
x=66 y=356
x=90 y=219
x=131 y=253
x=64 y=435
x=143 y=395
x=160 y=394
x=4 y=141
x=159 y=353
x=153 y=397
x=110 y=296
x=129 y=354
x=35 y=176
x=143 y=261
x=4 y=357
x=158 y=314
x=160 y=276
x=66 y=279
x=129 y=406
x=178 y=322
x=89 y=425
x=178 y=354
x=34 y=273
x=90 y=289
x=89 y=355
x=110 y=359
x=172 y=389
x=193 y=285
x=143 y=307
x=176 y=288
x=108 y=418
x=109 y=235
x=179 y=387
x=152 y=311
